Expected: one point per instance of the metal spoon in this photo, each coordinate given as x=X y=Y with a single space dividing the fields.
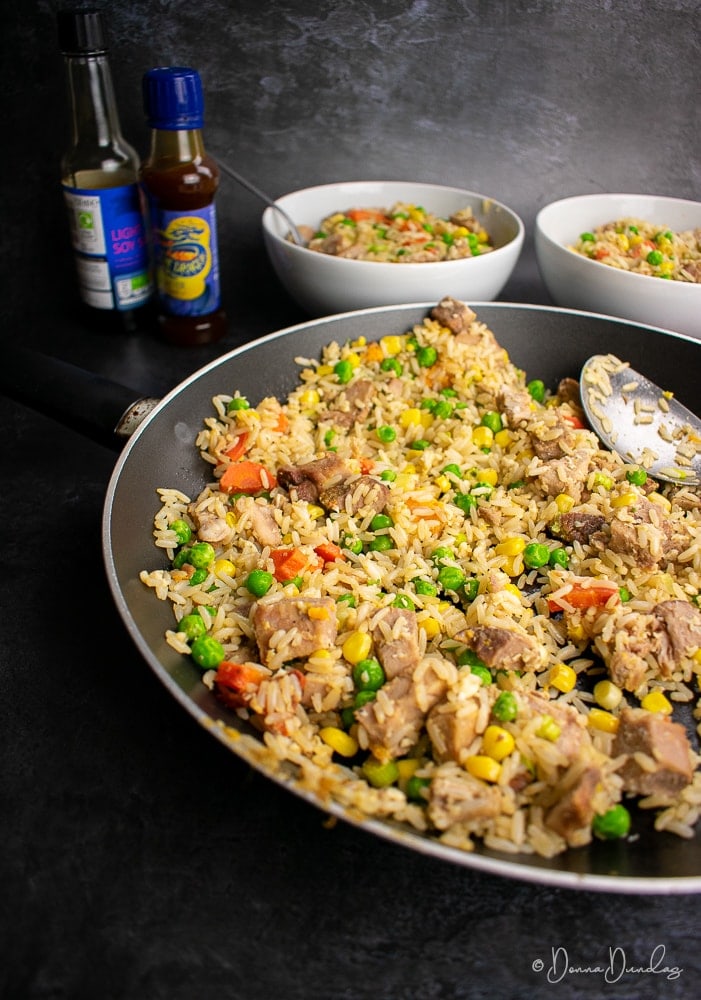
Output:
x=640 y=421
x=294 y=232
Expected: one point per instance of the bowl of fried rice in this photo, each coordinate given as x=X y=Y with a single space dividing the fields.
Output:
x=376 y=243
x=634 y=256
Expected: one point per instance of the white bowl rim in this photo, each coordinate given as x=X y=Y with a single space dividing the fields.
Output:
x=425 y=266
x=613 y=273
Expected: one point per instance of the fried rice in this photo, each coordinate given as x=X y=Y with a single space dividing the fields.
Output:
x=439 y=600
x=641 y=247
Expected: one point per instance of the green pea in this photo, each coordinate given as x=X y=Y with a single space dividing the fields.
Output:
x=505 y=708
x=363 y=697
x=421 y=444
x=192 y=625
x=448 y=239
x=655 y=257
x=381 y=543
x=207 y=652
x=624 y=594
x=440 y=554
x=386 y=434
x=343 y=371
x=403 y=601
x=237 y=403
x=391 y=365
x=201 y=555
x=388 y=475
x=613 y=824
x=425 y=587
x=328 y=438
x=535 y=555
x=452 y=469
x=426 y=356
x=183 y=531
x=468 y=658
x=536 y=390
x=517 y=484
x=484 y=673
x=198 y=577
x=443 y=409
x=368 y=675
x=451 y=577
x=428 y=404
x=492 y=420
x=465 y=501
x=380 y=521
x=347 y=717
x=348 y=599
x=353 y=545
x=636 y=477
x=634 y=230
x=380 y=775
x=259 y=582
x=448 y=392
x=559 y=557
x=587 y=238
x=416 y=789
x=470 y=589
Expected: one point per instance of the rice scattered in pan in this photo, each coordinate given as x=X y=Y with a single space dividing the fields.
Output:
x=440 y=600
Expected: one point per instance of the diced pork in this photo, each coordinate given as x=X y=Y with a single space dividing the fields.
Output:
x=516 y=406
x=573 y=738
x=641 y=531
x=451 y=727
x=460 y=798
x=576 y=525
x=262 y=521
x=363 y=495
x=293 y=627
x=307 y=481
x=680 y=634
x=503 y=648
x=353 y=404
x=572 y=815
x=566 y=475
x=454 y=314
x=396 y=637
x=658 y=753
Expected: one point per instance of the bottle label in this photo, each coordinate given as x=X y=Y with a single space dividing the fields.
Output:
x=109 y=239
x=186 y=260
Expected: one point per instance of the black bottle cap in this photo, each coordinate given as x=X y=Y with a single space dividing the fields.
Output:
x=80 y=32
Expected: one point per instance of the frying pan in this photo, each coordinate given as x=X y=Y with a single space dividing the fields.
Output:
x=548 y=343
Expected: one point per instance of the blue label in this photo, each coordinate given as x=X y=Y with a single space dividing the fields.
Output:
x=109 y=238
x=186 y=260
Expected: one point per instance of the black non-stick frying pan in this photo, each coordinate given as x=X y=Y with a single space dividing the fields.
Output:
x=547 y=343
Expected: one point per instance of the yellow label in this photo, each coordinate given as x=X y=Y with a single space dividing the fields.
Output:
x=185 y=257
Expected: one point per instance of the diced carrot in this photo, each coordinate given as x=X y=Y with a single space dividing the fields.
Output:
x=574 y=421
x=283 y=424
x=373 y=352
x=426 y=508
x=366 y=215
x=247 y=477
x=329 y=552
x=288 y=563
x=592 y=594
x=238 y=447
x=366 y=466
x=236 y=682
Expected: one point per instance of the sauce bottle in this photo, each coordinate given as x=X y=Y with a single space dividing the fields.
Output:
x=99 y=173
x=180 y=181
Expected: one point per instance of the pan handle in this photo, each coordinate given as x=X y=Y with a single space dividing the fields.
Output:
x=104 y=411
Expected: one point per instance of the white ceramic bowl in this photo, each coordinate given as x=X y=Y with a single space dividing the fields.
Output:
x=576 y=282
x=322 y=284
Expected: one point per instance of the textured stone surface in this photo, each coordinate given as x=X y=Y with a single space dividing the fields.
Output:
x=140 y=859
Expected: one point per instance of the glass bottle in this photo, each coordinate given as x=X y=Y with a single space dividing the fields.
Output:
x=180 y=181
x=99 y=173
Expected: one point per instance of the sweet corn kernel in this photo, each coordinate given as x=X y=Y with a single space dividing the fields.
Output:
x=353 y=359
x=410 y=417
x=510 y=546
x=635 y=240
x=231 y=519
x=548 y=729
x=655 y=701
x=513 y=566
x=489 y=476
x=407 y=768
x=360 y=342
x=340 y=742
x=661 y=501
x=324 y=370
x=315 y=511
x=321 y=654
x=575 y=630
x=497 y=742
x=564 y=502
x=431 y=627
x=562 y=677
x=696 y=657
x=308 y=399
x=317 y=614
x=666 y=267
x=357 y=647
x=511 y=588
x=482 y=437
x=443 y=484
x=481 y=766
x=224 y=567
x=502 y=438
x=623 y=241
x=461 y=232
x=600 y=479
x=608 y=694
x=404 y=481
x=624 y=500
x=392 y=345
x=603 y=721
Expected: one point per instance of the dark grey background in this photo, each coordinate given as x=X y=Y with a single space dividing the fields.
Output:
x=139 y=859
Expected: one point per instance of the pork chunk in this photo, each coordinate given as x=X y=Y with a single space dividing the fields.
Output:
x=502 y=647
x=454 y=314
x=576 y=525
x=396 y=639
x=679 y=635
x=452 y=726
x=573 y=738
x=262 y=520
x=566 y=475
x=309 y=480
x=294 y=627
x=642 y=532
x=572 y=815
x=666 y=766
x=364 y=494
x=458 y=798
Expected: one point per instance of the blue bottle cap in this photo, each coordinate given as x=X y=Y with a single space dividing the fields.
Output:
x=173 y=98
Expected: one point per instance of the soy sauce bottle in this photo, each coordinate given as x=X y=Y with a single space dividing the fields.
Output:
x=180 y=181
x=99 y=175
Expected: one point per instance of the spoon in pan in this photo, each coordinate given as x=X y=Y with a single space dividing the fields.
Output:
x=640 y=421
x=230 y=172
